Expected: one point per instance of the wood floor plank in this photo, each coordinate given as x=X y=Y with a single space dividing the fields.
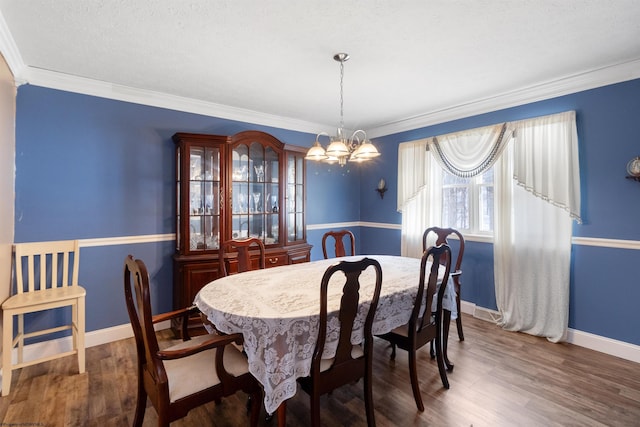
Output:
x=500 y=379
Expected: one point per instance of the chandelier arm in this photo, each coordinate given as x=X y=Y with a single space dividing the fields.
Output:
x=355 y=141
x=321 y=134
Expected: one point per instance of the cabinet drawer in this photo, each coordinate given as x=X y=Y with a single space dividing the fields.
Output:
x=275 y=260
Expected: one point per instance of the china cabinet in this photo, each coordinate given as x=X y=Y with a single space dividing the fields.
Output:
x=232 y=187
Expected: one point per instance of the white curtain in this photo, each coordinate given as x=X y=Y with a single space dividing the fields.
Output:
x=419 y=194
x=537 y=193
x=466 y=154
x=546 y=160
x=536 y=182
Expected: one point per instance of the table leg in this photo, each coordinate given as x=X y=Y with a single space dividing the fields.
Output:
x=282 y=414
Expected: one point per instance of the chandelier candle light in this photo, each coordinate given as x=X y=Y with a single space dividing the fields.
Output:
x=356 y=149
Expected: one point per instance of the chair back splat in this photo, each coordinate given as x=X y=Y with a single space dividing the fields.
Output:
x=338 y=238
x=235 y=256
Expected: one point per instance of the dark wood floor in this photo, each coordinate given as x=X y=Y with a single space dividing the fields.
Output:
x=500 y=379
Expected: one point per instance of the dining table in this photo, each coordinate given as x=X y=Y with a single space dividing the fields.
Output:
x=277 y=312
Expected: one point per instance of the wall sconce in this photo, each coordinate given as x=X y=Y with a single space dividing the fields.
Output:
x=633 y=168
x=382 y=187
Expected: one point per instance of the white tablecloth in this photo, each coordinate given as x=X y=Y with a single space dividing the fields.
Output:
x=276 y=310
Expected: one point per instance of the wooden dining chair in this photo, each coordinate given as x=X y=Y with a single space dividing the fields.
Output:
x=441 y=236
x=425 y=325
x=235 y=256
x=351 y=362
x=186 y=375
x=46 y=276
x=338 y=238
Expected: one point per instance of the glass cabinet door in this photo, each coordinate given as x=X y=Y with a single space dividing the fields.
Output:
x=295 y=197
x=204 y=198
x=255 y=193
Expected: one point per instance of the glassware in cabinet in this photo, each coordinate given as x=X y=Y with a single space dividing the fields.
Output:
x=295 y=198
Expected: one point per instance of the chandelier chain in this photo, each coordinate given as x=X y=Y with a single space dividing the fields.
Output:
x=341 y=96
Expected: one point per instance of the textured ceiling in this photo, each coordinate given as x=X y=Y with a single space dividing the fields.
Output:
x=408 y=58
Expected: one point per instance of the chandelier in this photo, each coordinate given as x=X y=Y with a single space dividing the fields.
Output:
x=355 y=149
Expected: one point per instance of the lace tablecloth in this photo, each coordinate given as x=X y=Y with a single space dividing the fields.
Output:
x=276 y=310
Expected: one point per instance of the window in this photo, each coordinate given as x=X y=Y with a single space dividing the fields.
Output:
x=467 y=203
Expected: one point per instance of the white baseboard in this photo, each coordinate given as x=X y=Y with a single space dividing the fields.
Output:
x=483 y=313
x=93 y=338
x=609 y=346
x=605 y=345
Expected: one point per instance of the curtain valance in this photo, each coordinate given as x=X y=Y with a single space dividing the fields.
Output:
x=471 y=152
x=545 y=164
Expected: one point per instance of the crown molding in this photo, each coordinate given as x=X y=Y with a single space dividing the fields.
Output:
x=588 y=80
x=70 y=83
x=571 y=84
x=10 y=52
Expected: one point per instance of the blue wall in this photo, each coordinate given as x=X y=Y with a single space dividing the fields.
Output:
x=89 y=167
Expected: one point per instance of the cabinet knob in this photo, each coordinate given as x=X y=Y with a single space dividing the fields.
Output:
x=273 y=260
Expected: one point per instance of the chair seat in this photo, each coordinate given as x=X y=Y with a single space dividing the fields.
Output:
x=356 y=352
x=46 y=296
x=194 y=373
x=403 y=330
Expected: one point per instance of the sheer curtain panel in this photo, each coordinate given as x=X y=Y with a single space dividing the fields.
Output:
x=419 y=194
x=537 y=194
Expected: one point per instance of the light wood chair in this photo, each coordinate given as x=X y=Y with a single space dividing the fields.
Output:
x=242 y=260
x=442 y=235
x=186 y=375
x=425 y=325
x=351 y=362
x=339 y=247
x=46 y=276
